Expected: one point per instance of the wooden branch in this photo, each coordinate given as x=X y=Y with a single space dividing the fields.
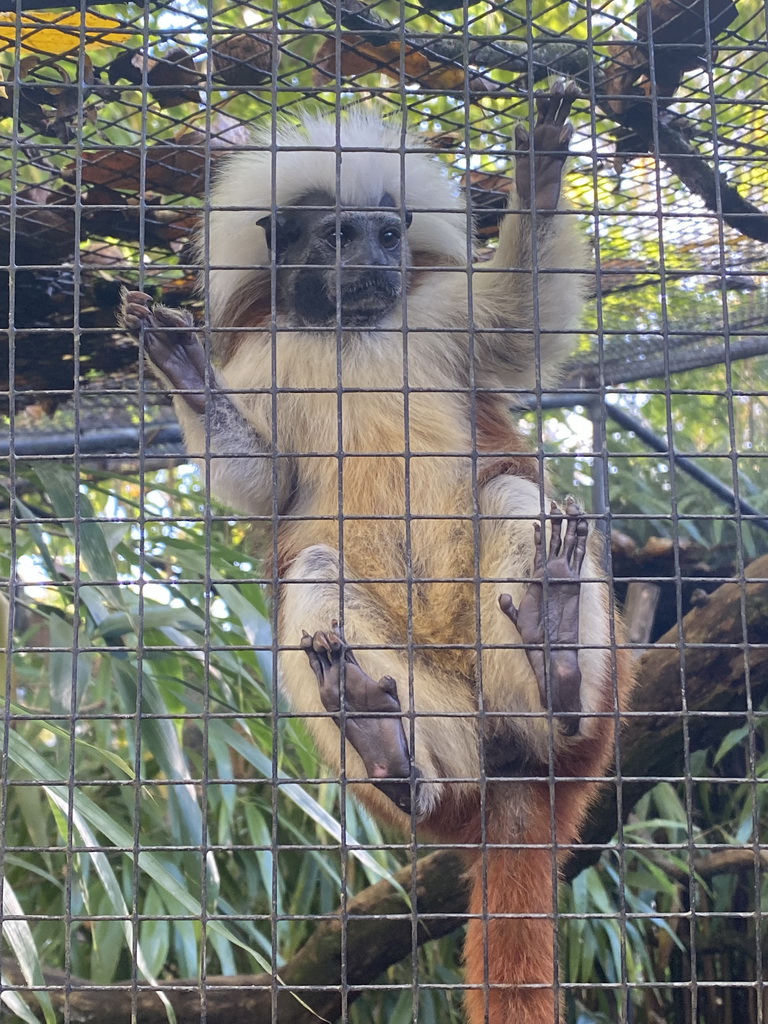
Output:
x=714 y=674
x=719 y=862
x=563 y=56
x=379 y=920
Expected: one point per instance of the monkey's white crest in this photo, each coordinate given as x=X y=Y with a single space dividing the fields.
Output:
x=357 y=158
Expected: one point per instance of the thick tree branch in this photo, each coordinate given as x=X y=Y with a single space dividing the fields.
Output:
x=561 y=56
x=721 y=862
x=721 y=664
x=722 y=671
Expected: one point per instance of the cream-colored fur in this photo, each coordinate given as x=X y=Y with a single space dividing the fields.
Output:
x=372 y=440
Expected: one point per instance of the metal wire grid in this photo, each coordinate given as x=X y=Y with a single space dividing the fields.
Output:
x=676 y=250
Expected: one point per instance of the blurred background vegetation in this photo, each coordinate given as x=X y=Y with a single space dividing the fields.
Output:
x=140 y=684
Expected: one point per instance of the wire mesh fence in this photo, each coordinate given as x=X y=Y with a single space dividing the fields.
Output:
x=277 y=746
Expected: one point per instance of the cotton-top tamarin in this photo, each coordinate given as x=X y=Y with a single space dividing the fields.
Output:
x=445 y=625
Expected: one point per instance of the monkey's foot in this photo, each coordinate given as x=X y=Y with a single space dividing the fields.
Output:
x=170 y=344
x=548 y=616
x=371 y=717
x=546 y=148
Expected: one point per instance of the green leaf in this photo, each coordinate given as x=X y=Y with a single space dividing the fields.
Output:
x=731 y=740
x=62 y=488
x=159 y=735
x=107 y=877
x=15 y=1003
x=18 y=935
x=107 y=756
x=309 y=806
x=153 y=616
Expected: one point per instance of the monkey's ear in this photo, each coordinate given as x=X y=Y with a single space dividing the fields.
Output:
x=266 y=223
x=286 y=229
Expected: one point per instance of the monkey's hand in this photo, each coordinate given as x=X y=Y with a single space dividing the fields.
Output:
x=371 y=717
x=170 y=344
x=548 y=616
x=542 y=154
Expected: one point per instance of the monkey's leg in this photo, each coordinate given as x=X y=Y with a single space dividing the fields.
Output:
x=372 y=718
x=439 y=715
x=558 y=589
x=539 y=168
x=548 y=615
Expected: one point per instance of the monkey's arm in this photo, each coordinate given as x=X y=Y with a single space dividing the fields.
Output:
x=531 y=285
x=241 y=461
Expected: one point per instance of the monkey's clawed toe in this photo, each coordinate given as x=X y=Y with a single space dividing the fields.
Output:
x=321 y=642
x=138 y=309
x=326 y=651
x=135 y=309
x=554 y=106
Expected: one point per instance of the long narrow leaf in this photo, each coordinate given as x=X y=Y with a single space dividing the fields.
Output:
x=112 y=888
x=19 y=937
x=94 y=549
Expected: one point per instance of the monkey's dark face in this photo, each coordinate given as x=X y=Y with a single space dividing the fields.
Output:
x=338 y=268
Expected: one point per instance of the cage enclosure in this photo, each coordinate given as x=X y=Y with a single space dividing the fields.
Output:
x=316 y=707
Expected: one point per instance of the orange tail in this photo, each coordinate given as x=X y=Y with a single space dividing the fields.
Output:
x=518 y=985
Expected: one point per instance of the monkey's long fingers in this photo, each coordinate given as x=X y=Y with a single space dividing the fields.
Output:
x=539 y=550
x=575 y=539
x=134 y=309
x=522 y=138
x=582 y=532
x=546 y=100
x=347 y=654
x=177 y=319
x=142 y=297
x=307 y=645
x=564 y=139
x=576 y=532
x=570 y=92
x=507 y=605
x=549 y=102
x=337 y=630
x=327 y=646
x=556 y=527
x=554 y=106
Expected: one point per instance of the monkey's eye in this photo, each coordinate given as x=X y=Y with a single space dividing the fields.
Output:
x=389 y=237
x=340 y=238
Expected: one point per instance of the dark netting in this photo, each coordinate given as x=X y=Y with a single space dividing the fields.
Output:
x=180 y=834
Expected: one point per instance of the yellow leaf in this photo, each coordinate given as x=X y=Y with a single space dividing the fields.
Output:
x=50 y=33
